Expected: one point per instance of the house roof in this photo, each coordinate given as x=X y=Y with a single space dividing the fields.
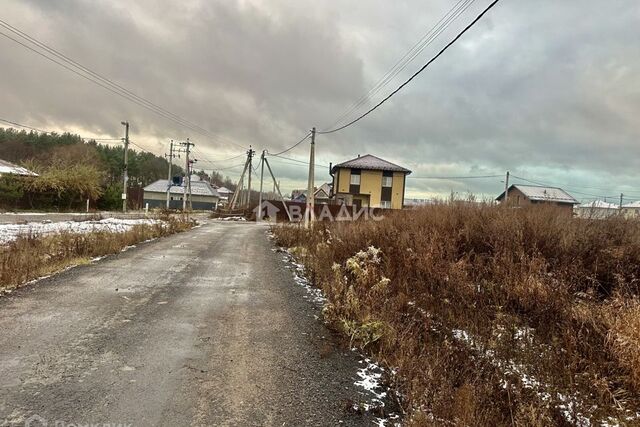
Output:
x=223 y=190
x=543 y=194
x=8 y=167
x=370 y=162
x=324 y=188
x=632 y=205
x=198 y=188
x=598 y=204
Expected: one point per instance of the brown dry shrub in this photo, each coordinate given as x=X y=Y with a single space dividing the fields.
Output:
x=30 y=256
x=533 y=291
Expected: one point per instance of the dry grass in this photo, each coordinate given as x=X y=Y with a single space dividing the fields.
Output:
x=491 y=316
x=30 y=257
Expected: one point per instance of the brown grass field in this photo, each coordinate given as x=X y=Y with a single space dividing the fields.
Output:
x=490 y=316
x=30 y=257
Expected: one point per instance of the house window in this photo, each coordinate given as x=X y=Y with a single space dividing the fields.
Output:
x=387 y=181
x=385 y=204
x=354 y=187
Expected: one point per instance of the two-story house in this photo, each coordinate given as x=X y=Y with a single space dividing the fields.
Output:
x=369 y=181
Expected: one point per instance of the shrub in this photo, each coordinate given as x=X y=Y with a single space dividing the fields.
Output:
x=490 y=316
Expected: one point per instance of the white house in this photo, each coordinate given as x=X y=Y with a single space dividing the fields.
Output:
x=631 y=210
x=10 y=168
x=597 y=209
x=203 y=195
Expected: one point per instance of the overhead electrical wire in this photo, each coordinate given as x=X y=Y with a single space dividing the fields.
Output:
x=23 y=126
x=424 y=67
x=426 y=40
x=292 y=147
x=455 y=177
x=104 y=82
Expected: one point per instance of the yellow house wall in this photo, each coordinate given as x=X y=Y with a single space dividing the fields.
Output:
x=371 y=184
x=397 y=190
x=344 y=178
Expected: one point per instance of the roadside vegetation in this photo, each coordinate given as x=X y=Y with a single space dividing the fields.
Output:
x=488 y=316
x=32 y=256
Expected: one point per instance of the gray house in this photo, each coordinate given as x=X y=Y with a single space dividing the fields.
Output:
x=203 y=195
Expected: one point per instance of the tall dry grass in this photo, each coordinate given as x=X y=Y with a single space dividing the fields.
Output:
x=491 y=316
x=31 y=256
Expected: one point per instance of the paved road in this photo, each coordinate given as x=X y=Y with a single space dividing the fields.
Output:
x=201 y=328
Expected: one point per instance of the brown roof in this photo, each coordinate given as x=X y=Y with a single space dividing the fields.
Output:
x=370 y=162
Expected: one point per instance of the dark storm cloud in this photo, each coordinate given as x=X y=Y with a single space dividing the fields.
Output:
x=547 y=89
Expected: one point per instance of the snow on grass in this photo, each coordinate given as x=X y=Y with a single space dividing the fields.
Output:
x=374 y=391
x=10 y=232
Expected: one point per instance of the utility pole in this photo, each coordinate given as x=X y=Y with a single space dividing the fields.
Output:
x=277 y=187
x=187 y=189
x=170 y=156
x=309 y=214
x=259 y=215
x=126 y=163
x=250 y=153
x=506 y=189
x=621 y=197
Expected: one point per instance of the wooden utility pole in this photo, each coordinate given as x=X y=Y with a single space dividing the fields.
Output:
x=169 y=181
x=277 y=187
x=250 y=153
x=236 y=194
x=309 y=214
x=259 y=214
x=506 y=189
x=187 y=187
x=621 y=197
x=126 y=166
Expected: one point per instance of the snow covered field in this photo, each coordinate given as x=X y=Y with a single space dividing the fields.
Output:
x=9 y=232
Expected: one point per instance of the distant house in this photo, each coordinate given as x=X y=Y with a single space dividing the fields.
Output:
x=322 y=195
x=299 y=196
x=224 y=193
x=525 y=195
x=8 y=168
x=203 y=195
x=597 y=209
x=631 y=210
x=369 y=181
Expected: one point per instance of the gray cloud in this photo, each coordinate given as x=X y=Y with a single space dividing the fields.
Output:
x=547 y=89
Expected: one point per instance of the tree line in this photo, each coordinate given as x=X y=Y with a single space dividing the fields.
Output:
x=71 y=170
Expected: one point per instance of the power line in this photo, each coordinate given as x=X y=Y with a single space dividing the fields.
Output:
x=455 y=177
x=293 y=146
x=23 y=126
x=426 y=40
x=104 y=82
x=298 y=161
x=444 y=49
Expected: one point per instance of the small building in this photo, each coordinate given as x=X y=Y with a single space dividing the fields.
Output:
x=8 y=168
x=631 y=210
x=369 y=181
x=597 y=209
x=203 y=195
x=224 y=193
x=322 y=195
x=525 y=195
x=299 y=196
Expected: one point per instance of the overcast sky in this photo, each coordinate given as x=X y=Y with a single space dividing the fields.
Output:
x=549 y=90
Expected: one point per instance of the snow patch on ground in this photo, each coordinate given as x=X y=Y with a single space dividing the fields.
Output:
x=374 y=392
x=10 y=232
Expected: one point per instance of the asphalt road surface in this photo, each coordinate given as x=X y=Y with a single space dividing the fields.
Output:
x=206 y=327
